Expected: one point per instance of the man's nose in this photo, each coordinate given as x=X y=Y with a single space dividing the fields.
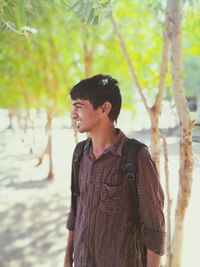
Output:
x=74 y=114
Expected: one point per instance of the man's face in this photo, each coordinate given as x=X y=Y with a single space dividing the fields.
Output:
x=86 y=118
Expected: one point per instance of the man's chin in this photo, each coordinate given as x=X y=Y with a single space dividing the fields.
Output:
x=80 y=130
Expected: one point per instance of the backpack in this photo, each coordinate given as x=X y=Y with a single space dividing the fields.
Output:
x=128 y=167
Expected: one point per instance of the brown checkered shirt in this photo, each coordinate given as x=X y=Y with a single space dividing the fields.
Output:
x=104 y=235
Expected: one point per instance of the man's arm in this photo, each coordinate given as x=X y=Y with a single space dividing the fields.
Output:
x=151 y=202
x=153 y=260
x=69 y=250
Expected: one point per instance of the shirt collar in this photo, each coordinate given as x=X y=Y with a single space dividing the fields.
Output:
x=115 y=148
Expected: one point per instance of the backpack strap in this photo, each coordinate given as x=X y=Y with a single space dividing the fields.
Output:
x=129 y=166
x=77 y=155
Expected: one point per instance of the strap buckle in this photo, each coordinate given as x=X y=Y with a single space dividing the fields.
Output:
x=130 y=172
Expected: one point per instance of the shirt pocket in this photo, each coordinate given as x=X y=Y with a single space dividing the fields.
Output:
x=112 y=198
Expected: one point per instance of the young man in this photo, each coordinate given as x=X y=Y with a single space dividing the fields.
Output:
x=102 y=233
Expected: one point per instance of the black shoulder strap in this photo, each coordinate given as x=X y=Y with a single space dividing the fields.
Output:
x=129 y=166
x=78 y=152
x=129 y=163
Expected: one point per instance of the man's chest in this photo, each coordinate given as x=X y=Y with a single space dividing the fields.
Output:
x=104 y=170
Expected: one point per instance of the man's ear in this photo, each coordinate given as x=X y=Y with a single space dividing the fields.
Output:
x=106 y=107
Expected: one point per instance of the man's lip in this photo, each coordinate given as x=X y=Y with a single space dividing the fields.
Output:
x=77 y=122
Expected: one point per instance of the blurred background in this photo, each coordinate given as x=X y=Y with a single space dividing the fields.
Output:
x=48 y=46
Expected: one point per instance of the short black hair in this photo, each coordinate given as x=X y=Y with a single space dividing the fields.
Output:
x=99 y=89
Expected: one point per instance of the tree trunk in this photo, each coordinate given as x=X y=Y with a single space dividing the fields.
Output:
x=186 y=125
x=169 y=202
x=75 y=131
x=10 y=116
x=155 y=137
x=88 y=56
x=88 y=63
x=49 y=145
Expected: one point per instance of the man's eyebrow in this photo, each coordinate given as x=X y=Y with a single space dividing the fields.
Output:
x=77 y=103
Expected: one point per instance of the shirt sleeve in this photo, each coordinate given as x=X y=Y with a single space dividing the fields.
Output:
x=151 y=202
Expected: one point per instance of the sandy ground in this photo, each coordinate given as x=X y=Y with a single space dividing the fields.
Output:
x=33 y=210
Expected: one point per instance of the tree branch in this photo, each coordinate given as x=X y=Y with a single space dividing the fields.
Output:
x=129 y=62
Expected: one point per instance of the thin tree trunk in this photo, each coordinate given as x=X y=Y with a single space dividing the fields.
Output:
x=169 y=202
x=24 y=129
x=88 y=58
x=49 y=145
x=10 y=116
x=155 y=137
x=75 y=131
x=88 y=51
x=186 y=125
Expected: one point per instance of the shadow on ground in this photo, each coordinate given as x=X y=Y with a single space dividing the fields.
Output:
x=33 y=233
x=33 y=211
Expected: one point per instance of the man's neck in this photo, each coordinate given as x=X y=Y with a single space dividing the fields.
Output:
x=102 y=139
